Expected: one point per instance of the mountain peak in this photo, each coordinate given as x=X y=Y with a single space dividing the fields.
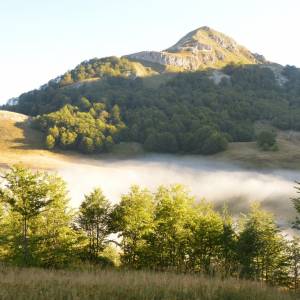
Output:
x=201 y=48
x=203 y=39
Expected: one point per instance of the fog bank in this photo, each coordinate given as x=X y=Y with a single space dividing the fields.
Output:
x=215 y=181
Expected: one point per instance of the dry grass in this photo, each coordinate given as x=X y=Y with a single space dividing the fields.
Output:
x=20 y=143
x=32 y=284
x=288 y=155
x=17 y=134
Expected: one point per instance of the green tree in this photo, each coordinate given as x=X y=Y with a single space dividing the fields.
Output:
x=261 y=248
x=67 y=79
x=55 y=242
x=87 y=145
x=85 y=104
x=228 y=253
x=206 y=247
x=173 y=219
x=54 y=131
x=68 y=139
x=116 y=114
x=132 y=219
x=215 y=143
x=161 y=142
x=28 y=194
x=94 y=219
x=266 y=140
x=50 y=141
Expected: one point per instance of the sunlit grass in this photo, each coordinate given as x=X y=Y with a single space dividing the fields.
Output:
x=111 y=284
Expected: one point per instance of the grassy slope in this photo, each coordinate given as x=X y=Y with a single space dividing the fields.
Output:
x=288 y=155
x=32 y=284
x=19 y=143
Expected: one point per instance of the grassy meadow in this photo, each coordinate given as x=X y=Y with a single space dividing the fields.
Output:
x=33 y=284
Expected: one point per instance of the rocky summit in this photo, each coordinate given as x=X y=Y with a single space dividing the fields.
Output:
x=201 y=48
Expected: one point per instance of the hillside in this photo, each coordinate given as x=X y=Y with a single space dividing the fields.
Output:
x=20 y=143
x=201 y=108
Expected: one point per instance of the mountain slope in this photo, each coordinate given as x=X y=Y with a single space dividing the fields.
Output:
x=107 y=101
x=16 y=132
x=201 y=48
x=20 y=143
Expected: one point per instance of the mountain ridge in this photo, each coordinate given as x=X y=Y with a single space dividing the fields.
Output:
x=193 y=52
x=203 y=47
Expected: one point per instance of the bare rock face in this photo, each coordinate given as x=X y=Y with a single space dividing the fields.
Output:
x=191 y=62
x=201 y=48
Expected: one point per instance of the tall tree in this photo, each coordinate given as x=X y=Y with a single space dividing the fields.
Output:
x=38 y=221
x=207 y=237
x=132 y=219
x=28 y=194
x=173 y=217
x=57 y=243
x=261 y=248
x=228 y=253
x=93 y=219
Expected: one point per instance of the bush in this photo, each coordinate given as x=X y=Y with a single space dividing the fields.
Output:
x=266 y=140
x=215 y=143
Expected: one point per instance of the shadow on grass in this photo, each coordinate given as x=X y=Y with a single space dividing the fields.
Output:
x=32 y=138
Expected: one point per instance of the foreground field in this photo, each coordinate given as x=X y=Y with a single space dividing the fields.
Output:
x=32 y=284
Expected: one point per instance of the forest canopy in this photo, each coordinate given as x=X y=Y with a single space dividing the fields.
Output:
x=93 y=129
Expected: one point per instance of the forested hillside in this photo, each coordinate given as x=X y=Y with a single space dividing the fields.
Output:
x=187 y=113
x=194 y=97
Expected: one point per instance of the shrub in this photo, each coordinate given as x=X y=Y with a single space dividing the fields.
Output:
x=266 y=140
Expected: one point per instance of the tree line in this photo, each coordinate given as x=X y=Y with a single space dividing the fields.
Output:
x=165 y=230
x=181 y=113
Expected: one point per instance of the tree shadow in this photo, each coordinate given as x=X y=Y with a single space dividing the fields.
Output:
x=32 y=138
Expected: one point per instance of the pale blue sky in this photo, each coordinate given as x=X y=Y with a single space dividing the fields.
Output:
x=42 y=39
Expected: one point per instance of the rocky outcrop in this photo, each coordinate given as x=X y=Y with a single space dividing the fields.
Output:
x=187 y=62
x=203 y=47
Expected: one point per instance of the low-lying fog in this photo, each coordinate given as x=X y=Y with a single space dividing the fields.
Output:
x=216 y=181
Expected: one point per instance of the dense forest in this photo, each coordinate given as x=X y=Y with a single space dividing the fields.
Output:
x=185 y=113
x=91 y=129
x=164 y=230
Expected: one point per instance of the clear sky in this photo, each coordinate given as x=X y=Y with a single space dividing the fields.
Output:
x=41 y=39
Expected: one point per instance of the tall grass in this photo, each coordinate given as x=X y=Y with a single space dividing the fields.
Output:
x=31 y=284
